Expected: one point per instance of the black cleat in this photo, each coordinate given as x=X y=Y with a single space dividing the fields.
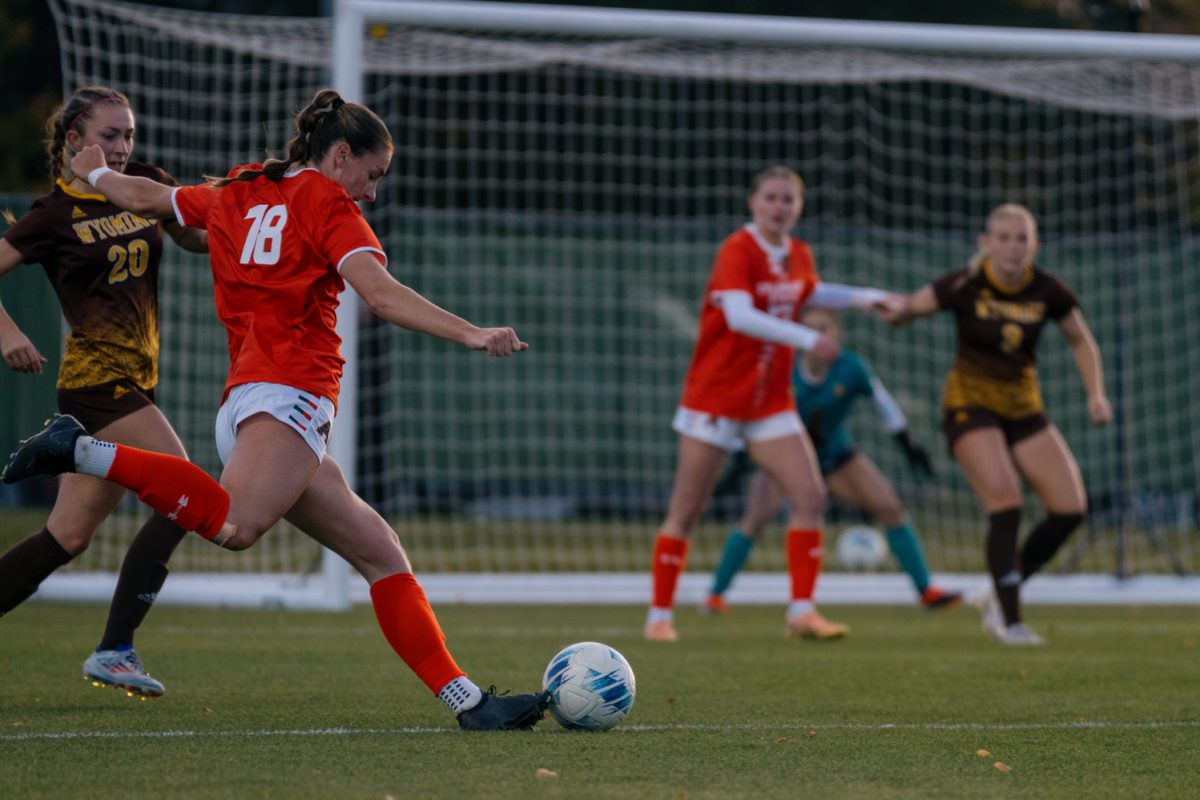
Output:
x=505 y=712
x=935 y=598
x=50 y=451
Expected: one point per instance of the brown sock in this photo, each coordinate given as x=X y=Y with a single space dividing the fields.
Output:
x=1045 y=540
x=1001 y=550
x=142 y=574
x=26 y=564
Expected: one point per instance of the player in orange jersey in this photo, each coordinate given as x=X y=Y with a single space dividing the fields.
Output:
x=737 y=394
x=992 y=411
x=283 y=238
x=103 y=264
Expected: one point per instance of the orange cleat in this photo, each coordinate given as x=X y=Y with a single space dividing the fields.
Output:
x=811 y=625
x=714 y=604
x=662 y=630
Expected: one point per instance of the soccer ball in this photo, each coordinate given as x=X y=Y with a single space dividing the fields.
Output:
x=591 y=686
x=861 y=548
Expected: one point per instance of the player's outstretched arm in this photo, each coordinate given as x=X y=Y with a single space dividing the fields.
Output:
x=405 y=308
x=142 y=196
x=1087 y=360
x=19 y=353
x=902 y=309
x=741 y=316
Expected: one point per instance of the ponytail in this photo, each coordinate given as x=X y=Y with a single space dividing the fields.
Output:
x=325 y=121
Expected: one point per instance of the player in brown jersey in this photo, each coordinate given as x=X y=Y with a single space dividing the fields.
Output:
x=992 y=412
x=103 y=263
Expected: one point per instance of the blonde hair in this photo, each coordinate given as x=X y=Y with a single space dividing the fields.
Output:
x=1002 y=211
x=777 y=171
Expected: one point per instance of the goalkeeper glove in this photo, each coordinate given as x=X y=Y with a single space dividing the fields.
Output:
x=918 y=457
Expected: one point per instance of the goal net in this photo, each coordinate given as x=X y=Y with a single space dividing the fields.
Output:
x=576 y=183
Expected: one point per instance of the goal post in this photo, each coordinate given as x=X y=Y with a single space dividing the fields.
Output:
x=570 y=171
x=750 y=29
x=204 y=102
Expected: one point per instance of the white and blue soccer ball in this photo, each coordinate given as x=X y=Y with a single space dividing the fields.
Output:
x=591 y=686
x=861 y=548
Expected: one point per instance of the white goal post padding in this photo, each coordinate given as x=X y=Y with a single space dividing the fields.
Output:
x=571 y=171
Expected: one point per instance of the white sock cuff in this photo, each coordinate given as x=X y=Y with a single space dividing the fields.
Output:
x=798 y=607
x=659 y=614
x=93 y=456
x=460 y=694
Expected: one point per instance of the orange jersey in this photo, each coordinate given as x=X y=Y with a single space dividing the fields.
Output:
x=277 y=249
x=732 y=375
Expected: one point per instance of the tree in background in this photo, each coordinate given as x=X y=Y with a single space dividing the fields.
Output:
x=28 y=48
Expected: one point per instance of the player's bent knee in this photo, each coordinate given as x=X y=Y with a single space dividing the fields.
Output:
x=811 y=503
x=245 y=535
x=74 y=542
x=892 y=514
x=1001 y=497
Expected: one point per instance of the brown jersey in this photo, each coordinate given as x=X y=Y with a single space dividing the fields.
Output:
x=103 y=264
x=998 y=329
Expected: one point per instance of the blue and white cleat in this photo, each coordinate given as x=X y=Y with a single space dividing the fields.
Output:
x=990 y=614
x=1019 y=634
x=122 y=669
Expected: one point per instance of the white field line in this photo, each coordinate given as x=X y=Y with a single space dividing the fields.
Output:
x=882 y=726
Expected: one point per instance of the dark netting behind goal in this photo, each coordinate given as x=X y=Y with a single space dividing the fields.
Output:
x=576 y=187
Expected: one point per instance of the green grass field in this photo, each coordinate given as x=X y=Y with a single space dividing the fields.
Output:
x=264 y=704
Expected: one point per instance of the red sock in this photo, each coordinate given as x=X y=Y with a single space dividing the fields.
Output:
x=670 y=554
x=804 y=561
x=412 y=630
x=172 y=486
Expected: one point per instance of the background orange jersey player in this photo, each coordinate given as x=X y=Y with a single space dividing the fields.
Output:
x=737 y=394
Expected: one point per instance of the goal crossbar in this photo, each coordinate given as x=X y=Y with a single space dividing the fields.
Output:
x=974 y=39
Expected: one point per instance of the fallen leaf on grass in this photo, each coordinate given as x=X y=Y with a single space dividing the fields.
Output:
x=1002 y=767
x=542 y=772
x=811 y=734
x=982 y=753
x=781 y=740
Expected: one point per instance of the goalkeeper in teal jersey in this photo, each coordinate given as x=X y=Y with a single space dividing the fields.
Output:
x=825 y=394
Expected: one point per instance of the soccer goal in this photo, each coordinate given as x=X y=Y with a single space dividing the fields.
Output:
x=571 y=171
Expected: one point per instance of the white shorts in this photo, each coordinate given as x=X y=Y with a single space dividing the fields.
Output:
x=732 y=434
x=308 y=415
